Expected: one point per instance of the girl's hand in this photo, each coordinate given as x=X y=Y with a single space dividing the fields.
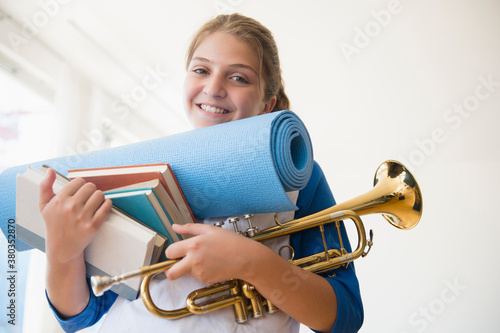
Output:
x=213 y=255
x=72 y=217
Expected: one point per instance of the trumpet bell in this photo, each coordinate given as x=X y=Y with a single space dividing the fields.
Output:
x=401 y=205
x=395 y=195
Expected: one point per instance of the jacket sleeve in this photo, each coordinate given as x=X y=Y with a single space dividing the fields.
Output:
x=95 y=309
x=315 y=197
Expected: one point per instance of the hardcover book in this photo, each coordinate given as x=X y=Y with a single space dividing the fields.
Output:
x=108 y=178
x=121 y=245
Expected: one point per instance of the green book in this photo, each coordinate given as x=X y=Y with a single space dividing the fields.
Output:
x=143 y=205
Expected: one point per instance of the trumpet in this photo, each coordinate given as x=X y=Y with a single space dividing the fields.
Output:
x=396 y=195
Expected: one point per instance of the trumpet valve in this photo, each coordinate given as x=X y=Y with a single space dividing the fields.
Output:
x=219 y=224
x=255 y=299
x=241 y=311
x=270 y=307
x=234 y=222
x=251 y=231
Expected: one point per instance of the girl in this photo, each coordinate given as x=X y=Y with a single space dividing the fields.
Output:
x=233 y=72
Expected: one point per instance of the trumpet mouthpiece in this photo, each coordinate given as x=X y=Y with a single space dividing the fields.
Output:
x=100 y=284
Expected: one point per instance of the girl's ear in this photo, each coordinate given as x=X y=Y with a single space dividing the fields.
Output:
x=269 y=105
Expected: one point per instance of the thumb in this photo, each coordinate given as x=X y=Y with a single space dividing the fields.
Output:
x=46 y=191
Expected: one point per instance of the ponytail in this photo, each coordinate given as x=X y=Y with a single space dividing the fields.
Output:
x=282 y=102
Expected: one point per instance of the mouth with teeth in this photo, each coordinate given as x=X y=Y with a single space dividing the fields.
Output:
x=212 y=109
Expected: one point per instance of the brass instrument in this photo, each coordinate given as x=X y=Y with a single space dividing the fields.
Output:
x=396 y=195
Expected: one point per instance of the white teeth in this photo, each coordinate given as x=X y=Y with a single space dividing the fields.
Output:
x=212 y=109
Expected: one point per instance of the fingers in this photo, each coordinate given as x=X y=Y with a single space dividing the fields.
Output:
x=207 y=235
x=94 y=206
x=197 y=252
x=180 y=249
x=93 y=200
x=178 y=270
x=177 y=250
x=85 y=197
x=89 y=196
x=72 y=187
x=102 y=212
x=192 y=228
x=182 y=267
x=46 y=191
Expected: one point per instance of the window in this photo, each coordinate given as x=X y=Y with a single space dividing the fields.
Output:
x=26 y=123
x=26 y=127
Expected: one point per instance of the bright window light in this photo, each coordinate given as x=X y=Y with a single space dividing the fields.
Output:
x=26 y=123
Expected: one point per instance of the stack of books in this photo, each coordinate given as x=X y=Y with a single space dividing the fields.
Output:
x=150 y=193
x=147 y=200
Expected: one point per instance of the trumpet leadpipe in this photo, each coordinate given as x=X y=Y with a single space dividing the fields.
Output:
x=298 y=225
x=100 y=284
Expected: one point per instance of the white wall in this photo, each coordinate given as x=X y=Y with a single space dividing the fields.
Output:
x=417 y=81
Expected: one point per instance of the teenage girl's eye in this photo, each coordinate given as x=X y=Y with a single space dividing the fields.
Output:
x=239 y=79
x=200 y=71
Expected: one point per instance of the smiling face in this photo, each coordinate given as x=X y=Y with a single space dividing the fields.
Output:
x=223 y=82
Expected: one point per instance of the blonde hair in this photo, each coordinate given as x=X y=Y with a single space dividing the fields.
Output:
x=261 y=40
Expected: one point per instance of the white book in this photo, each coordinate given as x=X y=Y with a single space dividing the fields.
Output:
x=121 y=245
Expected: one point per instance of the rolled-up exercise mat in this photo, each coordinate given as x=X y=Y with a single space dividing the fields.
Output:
x=244 y=166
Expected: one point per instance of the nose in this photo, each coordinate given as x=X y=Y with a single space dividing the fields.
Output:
x=214 y=86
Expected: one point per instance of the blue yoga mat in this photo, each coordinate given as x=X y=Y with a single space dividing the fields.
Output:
x=240 y=167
